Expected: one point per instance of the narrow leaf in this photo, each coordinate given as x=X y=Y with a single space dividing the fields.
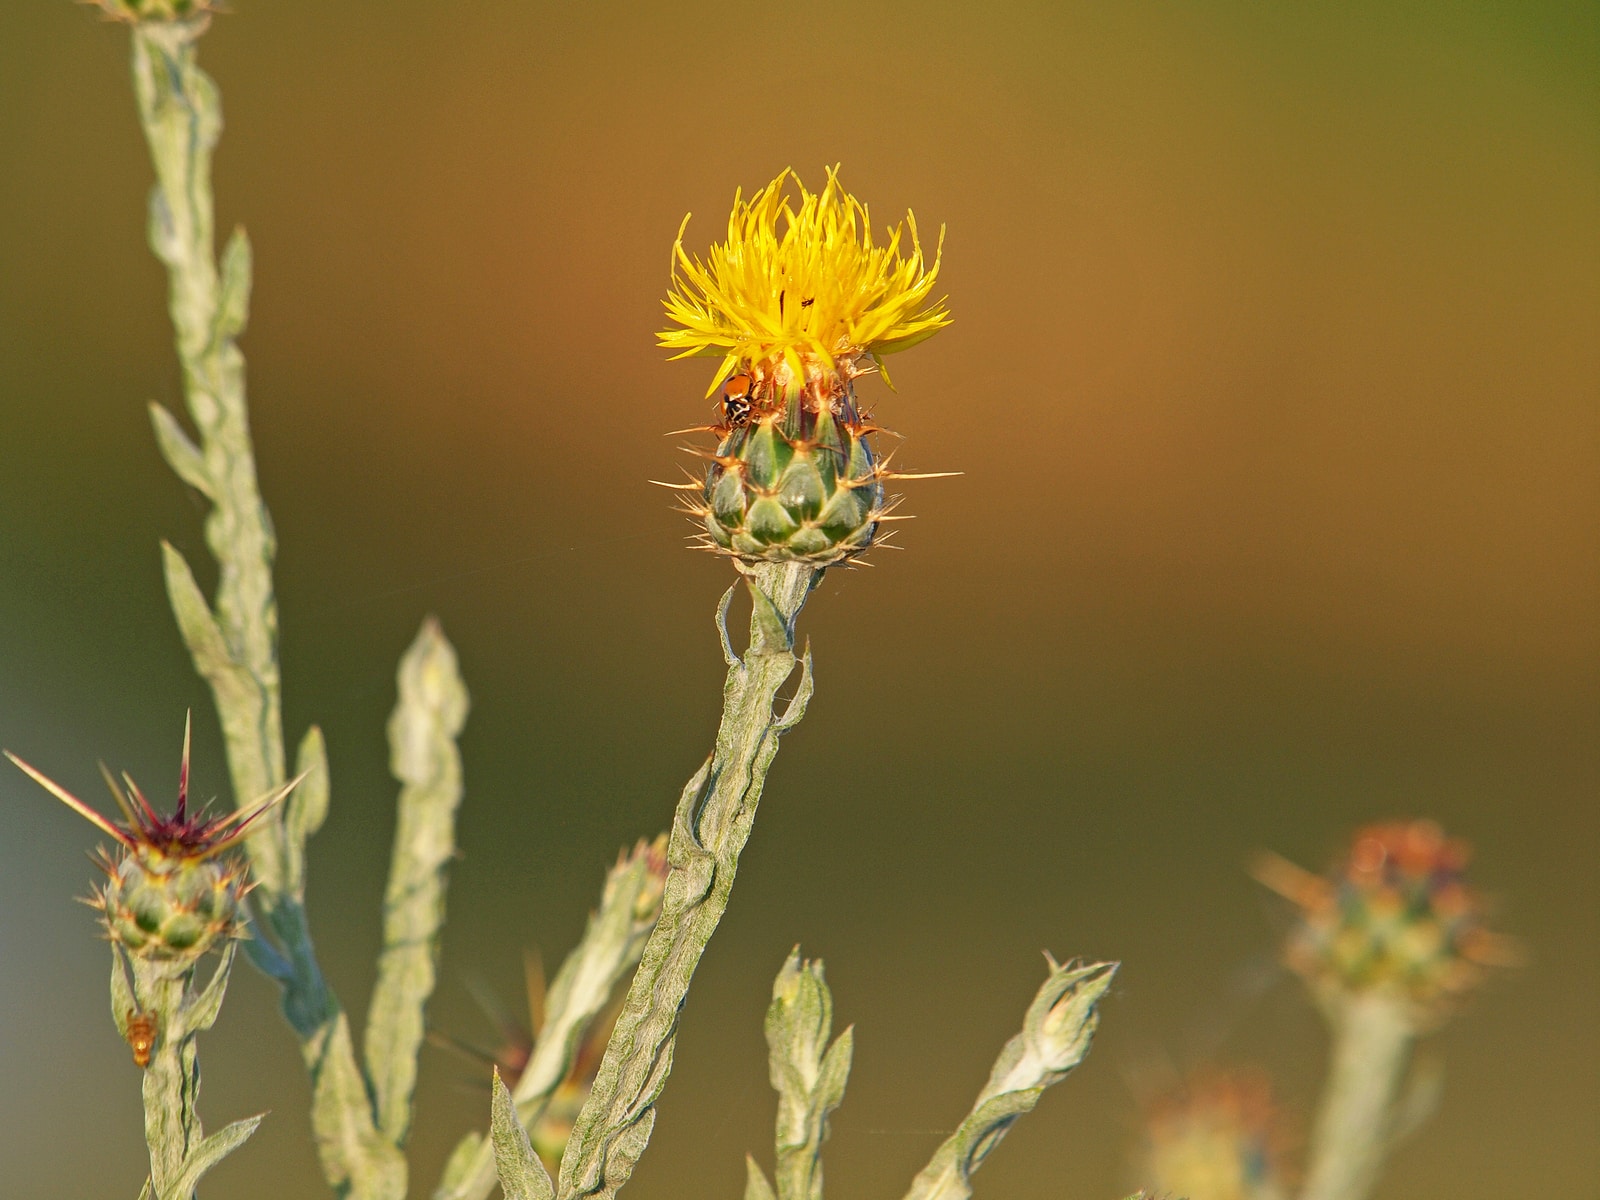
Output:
x=182 y=455
x=422 y=754
x=195 y=620
x=728 y=656
x=305 y=809
x=459 y=1166
x=522 y=1175
x=233 y=301
x=357 y=1160
x=124 y=1004
x=199 y=1012
x=756 y=1186
x=211 y=1151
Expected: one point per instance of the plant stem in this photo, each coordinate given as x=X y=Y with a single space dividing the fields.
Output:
x=234 y=641
x=182 y=118
x=1373 y=1033
x=428 y=718
x=713 y=821
x=807 y=1071
x=171 y=1083
x=159 y=998
x=1056 y=1033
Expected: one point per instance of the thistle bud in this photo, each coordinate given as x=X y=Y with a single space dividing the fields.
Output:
x=170 y=896
x=798 y=304
x=1393 y=915
x=170 y=906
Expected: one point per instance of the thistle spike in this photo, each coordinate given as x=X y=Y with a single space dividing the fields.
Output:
x=117 y=794
x=149 y=813
x=72 y=802
x=241 y=819
x=183 y=771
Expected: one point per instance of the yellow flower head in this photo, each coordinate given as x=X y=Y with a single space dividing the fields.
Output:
x=802 y=287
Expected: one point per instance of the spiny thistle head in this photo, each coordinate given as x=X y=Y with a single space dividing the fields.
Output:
x=170 y=895
x=1219 y=1137
x=1393 y=914
x=798 y=303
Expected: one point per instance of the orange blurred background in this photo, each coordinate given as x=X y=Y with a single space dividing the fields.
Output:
x=1273 y=379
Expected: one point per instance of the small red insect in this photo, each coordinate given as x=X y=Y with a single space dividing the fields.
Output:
x=141 y=1036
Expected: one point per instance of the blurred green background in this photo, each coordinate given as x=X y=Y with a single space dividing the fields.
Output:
x=1273 y=379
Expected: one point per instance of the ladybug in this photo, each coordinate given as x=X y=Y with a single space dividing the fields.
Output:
x=736 y=401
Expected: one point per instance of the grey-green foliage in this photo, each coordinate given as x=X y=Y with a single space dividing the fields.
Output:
x=1055 y=1037
x=807 y=1072
x=522 y=1175
x=360 y=1117
x=423 y=756
x=359 y=1120
x=610 y=948
x=164 y=995
x=234 y=641
x=710 y=827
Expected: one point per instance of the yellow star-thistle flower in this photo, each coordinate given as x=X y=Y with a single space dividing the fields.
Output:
x=815 y=294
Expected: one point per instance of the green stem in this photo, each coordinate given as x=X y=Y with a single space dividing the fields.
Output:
x=182 y=118
x=155 y=1003
x=1373 y=1034
x=807 y=1071
x=171 y=1082
x=1056 y=1033
x=427 y=719
x=234 y=640
x=713 y=822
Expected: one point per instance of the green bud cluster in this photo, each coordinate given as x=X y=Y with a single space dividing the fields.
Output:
x=793 y=481
x=171 y=906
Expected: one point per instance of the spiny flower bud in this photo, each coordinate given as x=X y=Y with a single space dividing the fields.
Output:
x=1393 y=914
x=173 y=906
x=1220 y=1137
x=170 y=896
x=797 y=314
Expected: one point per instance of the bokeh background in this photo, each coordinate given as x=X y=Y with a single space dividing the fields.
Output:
x=1274 y=382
